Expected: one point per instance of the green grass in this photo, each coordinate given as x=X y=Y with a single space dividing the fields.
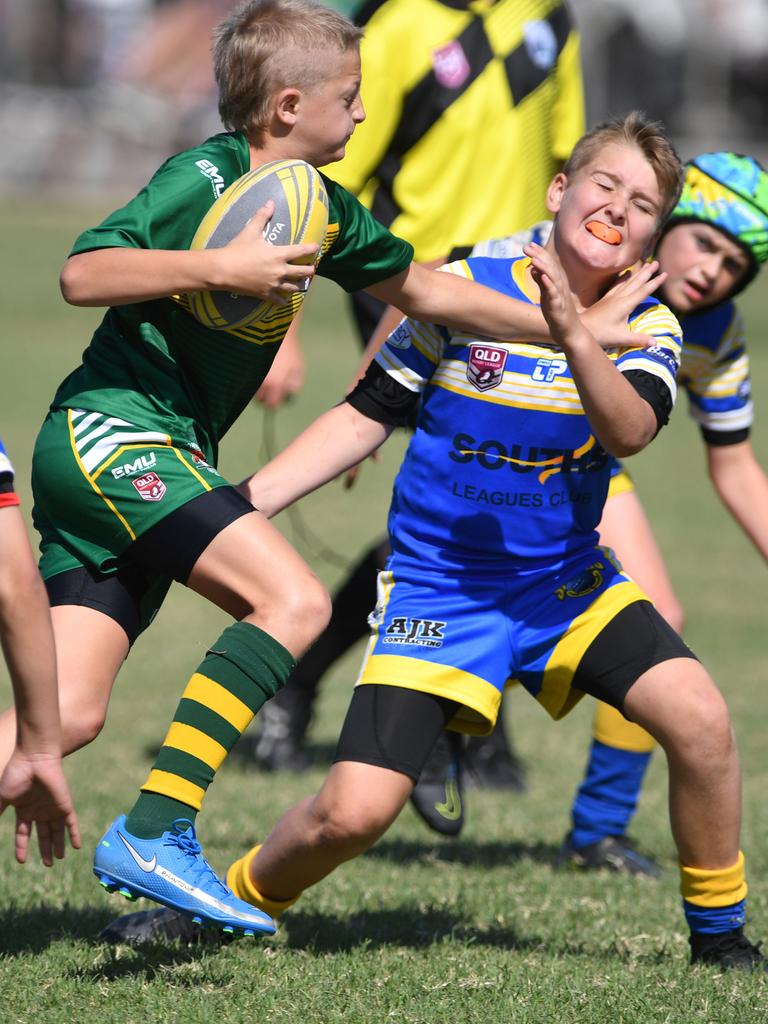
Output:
x=478 y=930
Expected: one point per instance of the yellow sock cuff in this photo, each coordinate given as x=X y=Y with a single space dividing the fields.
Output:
x=714 y=887
x=611 y=728
x=239 y=881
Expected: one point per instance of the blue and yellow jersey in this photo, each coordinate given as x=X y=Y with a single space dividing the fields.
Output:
x=715 y=374
x=503 y=469
x=714 y=370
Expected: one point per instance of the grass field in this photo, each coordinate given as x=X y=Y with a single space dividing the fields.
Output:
x=419 y=931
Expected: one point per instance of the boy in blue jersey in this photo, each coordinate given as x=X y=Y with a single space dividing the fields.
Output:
x=711 y=248
x=495 y=569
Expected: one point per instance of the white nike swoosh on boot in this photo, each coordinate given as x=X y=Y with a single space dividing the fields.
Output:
x=145 y=865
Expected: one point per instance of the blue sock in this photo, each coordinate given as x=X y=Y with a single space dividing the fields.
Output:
x=607 y=798
x=715 y=920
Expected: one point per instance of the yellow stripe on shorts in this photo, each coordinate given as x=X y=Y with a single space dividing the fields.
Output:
x=478 y=698
x=556 y=694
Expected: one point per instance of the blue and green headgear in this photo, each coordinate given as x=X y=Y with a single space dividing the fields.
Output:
x=730 y=192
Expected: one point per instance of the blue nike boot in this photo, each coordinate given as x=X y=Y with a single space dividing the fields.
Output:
x=173 y=871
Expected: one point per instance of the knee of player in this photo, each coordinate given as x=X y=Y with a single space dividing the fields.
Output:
x=351 y=824
x=81 y=721
x=703 y=732
x=307 y=604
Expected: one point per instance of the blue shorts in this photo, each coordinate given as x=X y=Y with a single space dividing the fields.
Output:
x=463 y=636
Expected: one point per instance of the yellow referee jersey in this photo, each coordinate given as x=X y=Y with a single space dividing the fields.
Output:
x=471 y=109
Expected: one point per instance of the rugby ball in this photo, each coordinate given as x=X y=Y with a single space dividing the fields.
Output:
x=301 y=215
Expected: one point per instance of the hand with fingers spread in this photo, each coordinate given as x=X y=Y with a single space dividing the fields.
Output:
x=250 y=265
x=557 y=304
x=607 y=319
x=622 y=421
x=37 y=789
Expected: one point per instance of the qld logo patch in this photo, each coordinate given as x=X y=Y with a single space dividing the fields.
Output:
x=150 y=487
x=485 y=366
x=451 y=65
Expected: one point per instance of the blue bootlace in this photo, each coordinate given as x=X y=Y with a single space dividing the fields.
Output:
x=182 y=834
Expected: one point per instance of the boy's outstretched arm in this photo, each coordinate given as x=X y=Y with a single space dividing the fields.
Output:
x=623 y=422
x=742 y=486
x=33 y=781
x=338 y=439
x=248 y=265
x=434 y=297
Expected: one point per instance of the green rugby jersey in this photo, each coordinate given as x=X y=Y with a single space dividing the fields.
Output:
x=152 y=363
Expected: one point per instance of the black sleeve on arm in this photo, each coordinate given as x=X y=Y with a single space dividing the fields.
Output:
x=655 y=392
x=721 y=438
x=380 y=397
x=6 y=483
x=459 y=253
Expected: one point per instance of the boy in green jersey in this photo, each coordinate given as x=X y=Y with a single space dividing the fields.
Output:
x=127 y=494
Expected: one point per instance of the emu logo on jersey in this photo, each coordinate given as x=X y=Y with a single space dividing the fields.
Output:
x=546 y=370
x=585 y=583
x=423 y=632
x=451 y=65
x=211 y=171
x=485 y=366
x=150 y=487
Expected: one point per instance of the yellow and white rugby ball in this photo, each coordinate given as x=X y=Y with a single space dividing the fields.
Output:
x=301 y=215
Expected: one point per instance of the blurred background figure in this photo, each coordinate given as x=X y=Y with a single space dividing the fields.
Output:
x=93 y=91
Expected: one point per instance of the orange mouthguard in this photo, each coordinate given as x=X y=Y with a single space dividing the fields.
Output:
x=603 y=232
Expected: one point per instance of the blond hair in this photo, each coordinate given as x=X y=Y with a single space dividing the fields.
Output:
x=650 y=138
x=268 y=45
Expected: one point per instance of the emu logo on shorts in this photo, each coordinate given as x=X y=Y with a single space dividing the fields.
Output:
x=150 y=487
x=451 y=65
x=485 y=366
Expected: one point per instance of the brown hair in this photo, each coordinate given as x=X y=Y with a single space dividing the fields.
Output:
x=650 y=138
x=267 y=45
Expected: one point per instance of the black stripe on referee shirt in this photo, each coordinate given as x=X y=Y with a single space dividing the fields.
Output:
x=523 y=75
x=422 y=108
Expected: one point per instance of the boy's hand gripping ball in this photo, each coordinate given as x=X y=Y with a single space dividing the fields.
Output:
x=301 y=215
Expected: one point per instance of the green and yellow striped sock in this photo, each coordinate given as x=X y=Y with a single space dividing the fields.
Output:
x=241 y=671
